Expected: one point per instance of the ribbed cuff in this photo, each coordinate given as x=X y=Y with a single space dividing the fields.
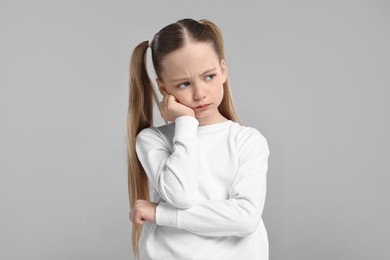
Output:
x=186 y=127
x=166 y=215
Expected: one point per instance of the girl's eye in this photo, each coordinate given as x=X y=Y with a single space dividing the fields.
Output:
x=183 y=85
x=209 y=77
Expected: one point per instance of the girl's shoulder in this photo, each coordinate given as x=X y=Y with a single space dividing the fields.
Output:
x=164 y=132
x=248 y=136
x=244 y=131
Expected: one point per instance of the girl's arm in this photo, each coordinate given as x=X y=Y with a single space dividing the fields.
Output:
x=172 y=173
x=241 y=213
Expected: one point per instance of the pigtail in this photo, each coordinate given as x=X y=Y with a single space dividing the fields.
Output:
x=140 y=116
x=226 y=108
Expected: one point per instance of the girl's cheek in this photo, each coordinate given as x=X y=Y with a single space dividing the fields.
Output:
x=181 y=99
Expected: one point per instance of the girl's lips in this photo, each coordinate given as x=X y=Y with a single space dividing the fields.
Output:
x=202 y=107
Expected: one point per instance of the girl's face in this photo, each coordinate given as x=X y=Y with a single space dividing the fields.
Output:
x=195 y=76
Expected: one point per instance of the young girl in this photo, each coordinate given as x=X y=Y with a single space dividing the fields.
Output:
x=205 y=173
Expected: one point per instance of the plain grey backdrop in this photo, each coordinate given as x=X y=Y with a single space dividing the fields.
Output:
x=312 y=76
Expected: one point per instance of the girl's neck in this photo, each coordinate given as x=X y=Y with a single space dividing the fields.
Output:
x=211 y=121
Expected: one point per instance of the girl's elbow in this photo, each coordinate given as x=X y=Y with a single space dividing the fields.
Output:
x=249 y=221
x=247 y=228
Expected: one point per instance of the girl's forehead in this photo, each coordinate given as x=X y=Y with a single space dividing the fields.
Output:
x=193 y=58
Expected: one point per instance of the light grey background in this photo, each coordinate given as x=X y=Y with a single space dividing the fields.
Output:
x=312 y=76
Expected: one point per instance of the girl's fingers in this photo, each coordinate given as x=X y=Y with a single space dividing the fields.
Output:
x=171 y=99
x=135 y=216
x=143 y=211
x=140 y=220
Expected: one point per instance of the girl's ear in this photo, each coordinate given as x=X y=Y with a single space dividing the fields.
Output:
x=224 y=71
x=161 y=87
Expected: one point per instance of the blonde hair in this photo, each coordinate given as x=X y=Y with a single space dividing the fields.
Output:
x=141 y=95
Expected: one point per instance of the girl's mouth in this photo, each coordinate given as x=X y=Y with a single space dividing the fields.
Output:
x=202 y=107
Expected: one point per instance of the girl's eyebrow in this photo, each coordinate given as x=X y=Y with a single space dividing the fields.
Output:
x=208 y=71
x=205 y=72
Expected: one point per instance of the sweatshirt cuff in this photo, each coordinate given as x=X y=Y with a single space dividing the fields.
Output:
x=166 y=215
x=186 y=127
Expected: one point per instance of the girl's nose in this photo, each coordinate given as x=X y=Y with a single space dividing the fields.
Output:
x=199 y=93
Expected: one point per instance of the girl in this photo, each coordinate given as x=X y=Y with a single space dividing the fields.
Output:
x=205 y=173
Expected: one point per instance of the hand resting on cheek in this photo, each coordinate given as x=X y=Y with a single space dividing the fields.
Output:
x=170 y=108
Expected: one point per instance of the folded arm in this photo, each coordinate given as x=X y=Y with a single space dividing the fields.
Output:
x=240 y=214
x=172 y=173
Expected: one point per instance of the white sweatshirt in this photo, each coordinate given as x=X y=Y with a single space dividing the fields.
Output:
x=210 y=183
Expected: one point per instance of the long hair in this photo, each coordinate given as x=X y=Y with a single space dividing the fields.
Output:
x=141 y=95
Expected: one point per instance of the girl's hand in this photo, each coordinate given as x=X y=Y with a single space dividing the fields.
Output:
x=171 y=109
x=143 y=211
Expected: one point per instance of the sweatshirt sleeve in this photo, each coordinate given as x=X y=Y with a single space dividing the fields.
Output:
x=171 y=173
x=241 y=213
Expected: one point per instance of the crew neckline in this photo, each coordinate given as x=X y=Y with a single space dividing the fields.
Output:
x=216 y=126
